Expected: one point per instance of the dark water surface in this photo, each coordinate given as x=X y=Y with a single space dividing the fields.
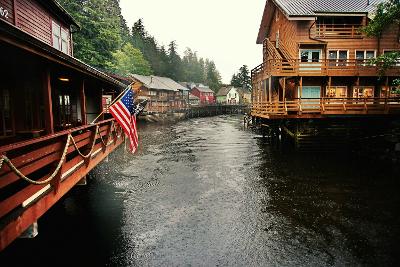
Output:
x=206 y=192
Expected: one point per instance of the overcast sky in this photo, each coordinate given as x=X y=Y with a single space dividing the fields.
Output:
x=222 y=30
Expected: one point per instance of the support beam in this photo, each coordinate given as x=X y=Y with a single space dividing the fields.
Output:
x=270 y=89
x=301 y=87
x=83 y=103
x=284 y=90
x=48 y=103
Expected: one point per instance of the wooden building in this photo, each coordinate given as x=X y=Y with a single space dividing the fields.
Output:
x=163 y=94
x=47 y=101
x=228 y=95
x=316 y=62
x=205 y=94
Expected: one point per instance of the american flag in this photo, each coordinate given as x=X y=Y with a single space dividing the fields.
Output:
x=124 y=112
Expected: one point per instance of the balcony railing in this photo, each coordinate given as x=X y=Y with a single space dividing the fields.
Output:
x=54 y=164
x=336 y=31
x=322 y=67
x=327 y=106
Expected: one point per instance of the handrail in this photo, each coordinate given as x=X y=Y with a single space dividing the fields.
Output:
x=288 y=67
x=330 y=105
x=326 y=31
x=21 y=144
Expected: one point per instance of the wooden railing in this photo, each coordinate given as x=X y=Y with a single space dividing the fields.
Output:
x=336 y=31
x=328 y=106
x=67 y=156
x=322 y=67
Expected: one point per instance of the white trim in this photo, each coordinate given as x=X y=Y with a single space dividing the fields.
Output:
x=302 y=18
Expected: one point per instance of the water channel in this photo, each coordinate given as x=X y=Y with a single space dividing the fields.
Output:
x=207 y=192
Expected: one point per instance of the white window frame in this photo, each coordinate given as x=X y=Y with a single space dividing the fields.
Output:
x=364 y=56
x=64 y=31
x=56 y=32
x=337 y=60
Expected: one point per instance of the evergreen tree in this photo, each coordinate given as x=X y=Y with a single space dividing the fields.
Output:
x=100 y=33
x=213 y=78
x=242 y=79
x=174 y=70
x=129 y=60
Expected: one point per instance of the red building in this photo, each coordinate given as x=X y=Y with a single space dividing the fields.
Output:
x=205 y=94
x=48 y=100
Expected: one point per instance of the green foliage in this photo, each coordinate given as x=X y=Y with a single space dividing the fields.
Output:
x=242 y=79
x=101 y=30
x=213 y=78
x=129 y=60
x=387 y=13
x=105 y=42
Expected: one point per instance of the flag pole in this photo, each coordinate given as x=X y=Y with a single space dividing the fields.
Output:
x=115 y=100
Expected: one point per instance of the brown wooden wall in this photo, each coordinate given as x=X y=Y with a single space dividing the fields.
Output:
x=8 y=10
x=287 y=32
x=32 y=18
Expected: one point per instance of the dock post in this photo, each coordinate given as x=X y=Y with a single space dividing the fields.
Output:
x=82 y=181
x=31 y=232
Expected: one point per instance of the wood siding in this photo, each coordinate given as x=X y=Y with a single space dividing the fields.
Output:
x=7 y=12
x=32 y=18
x=287 y=33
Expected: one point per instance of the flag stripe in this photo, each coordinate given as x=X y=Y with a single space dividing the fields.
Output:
x=124 y=113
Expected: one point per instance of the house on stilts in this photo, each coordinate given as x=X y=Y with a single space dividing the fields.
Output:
x=317 y=67
x=48 y=100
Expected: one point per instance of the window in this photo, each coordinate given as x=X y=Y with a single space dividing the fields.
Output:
x=60 y=38
x=56 y=29
x=338 y=57
x=363 y=91
x=310 y=55
x=362 y=56
x=64 y=41
x=336 y=91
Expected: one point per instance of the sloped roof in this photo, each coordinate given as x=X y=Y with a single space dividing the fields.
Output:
x=243 y=91
x=312 y=7
x=204 y=89
x=159 y=83
x=59 y=10
x=224 y=90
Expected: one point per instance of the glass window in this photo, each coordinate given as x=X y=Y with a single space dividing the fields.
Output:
x=64 y=41
x=56 y=30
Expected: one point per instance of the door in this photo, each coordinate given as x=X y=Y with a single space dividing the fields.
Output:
x=310 y=97
x=310 y=60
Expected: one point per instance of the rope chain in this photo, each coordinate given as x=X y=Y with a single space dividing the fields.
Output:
x=91 y=149
x=48 y=180
x=6 y=160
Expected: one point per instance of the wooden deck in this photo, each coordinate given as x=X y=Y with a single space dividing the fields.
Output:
x=322 y=107
x=23 y=202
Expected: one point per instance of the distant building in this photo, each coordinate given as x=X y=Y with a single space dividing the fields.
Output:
x=244 y=95
x=163 y=94
x=193 y=100
x=228 y=95
x=205 y=94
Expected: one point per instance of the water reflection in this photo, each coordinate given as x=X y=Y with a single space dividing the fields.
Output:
x=208 y=192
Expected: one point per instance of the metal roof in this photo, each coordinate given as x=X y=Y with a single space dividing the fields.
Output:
x=224 y=90
x=312 y=7
x=204 y=89
x=159 y=83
